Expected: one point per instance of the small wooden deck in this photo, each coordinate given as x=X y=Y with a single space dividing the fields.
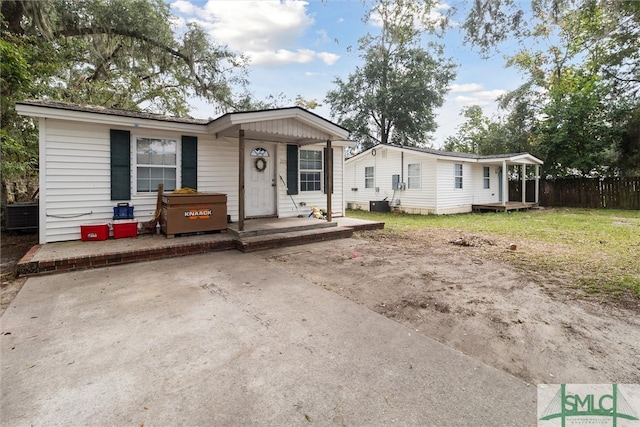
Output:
x=499 y=207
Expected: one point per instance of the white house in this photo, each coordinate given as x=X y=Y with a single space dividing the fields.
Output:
x=427 y=181
x=92 y=158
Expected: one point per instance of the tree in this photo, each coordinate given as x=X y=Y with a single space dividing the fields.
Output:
x=471 y=133
x=124 y=54
x=392 y=97
x=114 y=53
x=579 y=134
x=582 y=63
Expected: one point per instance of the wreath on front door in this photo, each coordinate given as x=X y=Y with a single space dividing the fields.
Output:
x=260 y=164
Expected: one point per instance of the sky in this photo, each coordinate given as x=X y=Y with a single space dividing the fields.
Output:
x=299 y=47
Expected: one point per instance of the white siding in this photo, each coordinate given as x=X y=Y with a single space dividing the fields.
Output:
x=386 y=163
x=422 y=200
x=77 y=181
x=75 y=177
x=286 y=207
x=455 y=200
x=218 y=170
x=485 y=195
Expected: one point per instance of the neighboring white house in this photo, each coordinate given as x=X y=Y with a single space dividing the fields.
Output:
x=92 y=158
x=426 y=181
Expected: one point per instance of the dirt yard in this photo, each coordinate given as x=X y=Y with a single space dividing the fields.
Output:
x=12 y=247
x=463 y=291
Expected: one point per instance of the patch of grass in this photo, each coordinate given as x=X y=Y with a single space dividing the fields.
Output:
x=598 y=249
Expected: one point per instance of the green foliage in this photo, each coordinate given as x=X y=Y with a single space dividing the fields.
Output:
x=114 y=53
x=579 y=135
x=392 y=97
x=578 y=106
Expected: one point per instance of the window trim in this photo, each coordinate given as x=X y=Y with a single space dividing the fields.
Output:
x=458 y=178
x=486 y=177
x=418 y=178
x=134 y=162
x=369 y=181
x=320 y=171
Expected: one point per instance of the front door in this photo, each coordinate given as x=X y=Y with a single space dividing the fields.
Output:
x=260 y=182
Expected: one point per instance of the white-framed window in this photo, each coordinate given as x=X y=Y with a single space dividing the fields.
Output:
x=310 y=170
x=156 y=163
x=413 y=176
x=486 y=177
x=368 y=177
x=458 y=175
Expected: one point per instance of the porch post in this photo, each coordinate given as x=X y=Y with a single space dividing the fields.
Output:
x=241 y=180
x=524 y=183
x=505 y=184
x=537 y=195
x=329 y=173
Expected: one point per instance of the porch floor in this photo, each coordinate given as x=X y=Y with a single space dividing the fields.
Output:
x=259 y=234
x=499 y=207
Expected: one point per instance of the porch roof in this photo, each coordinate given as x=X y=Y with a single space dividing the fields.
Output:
x=293 y=124
x=284 y=125
x=510 y=158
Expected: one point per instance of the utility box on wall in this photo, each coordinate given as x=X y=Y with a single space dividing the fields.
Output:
x=395 y=182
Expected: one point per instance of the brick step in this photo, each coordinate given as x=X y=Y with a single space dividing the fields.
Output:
x=294 y=238
x=28 y=267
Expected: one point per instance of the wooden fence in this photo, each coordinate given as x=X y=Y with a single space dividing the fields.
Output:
x=612 y=193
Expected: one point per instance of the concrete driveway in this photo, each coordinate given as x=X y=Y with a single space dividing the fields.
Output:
x=229 y=339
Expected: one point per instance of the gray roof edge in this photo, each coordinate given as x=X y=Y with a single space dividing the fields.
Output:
x=444 y=153
x=60 y=105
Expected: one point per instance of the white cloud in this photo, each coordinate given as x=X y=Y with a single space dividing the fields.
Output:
x=434 y=16
x=285 y=56
x=328 y=58
x=466 y=87
x=481 y=98
x=183 y=6
x=323 y=37
x=266 y=31
x=281 y=56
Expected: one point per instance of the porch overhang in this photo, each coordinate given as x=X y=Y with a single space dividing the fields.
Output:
x=287 y=125
x=282 y=126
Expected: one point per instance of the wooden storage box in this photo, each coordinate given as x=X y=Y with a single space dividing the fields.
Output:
x=192 y=213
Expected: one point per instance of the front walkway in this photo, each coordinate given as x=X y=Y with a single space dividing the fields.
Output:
x=259 y=234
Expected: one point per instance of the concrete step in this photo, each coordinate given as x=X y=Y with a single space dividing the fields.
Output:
x=278 y=229
x=292 y=238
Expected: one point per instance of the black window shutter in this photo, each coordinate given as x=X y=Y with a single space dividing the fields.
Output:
x=190 y=162
x=325 y=171
x=292 y=169
x=120 y=164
